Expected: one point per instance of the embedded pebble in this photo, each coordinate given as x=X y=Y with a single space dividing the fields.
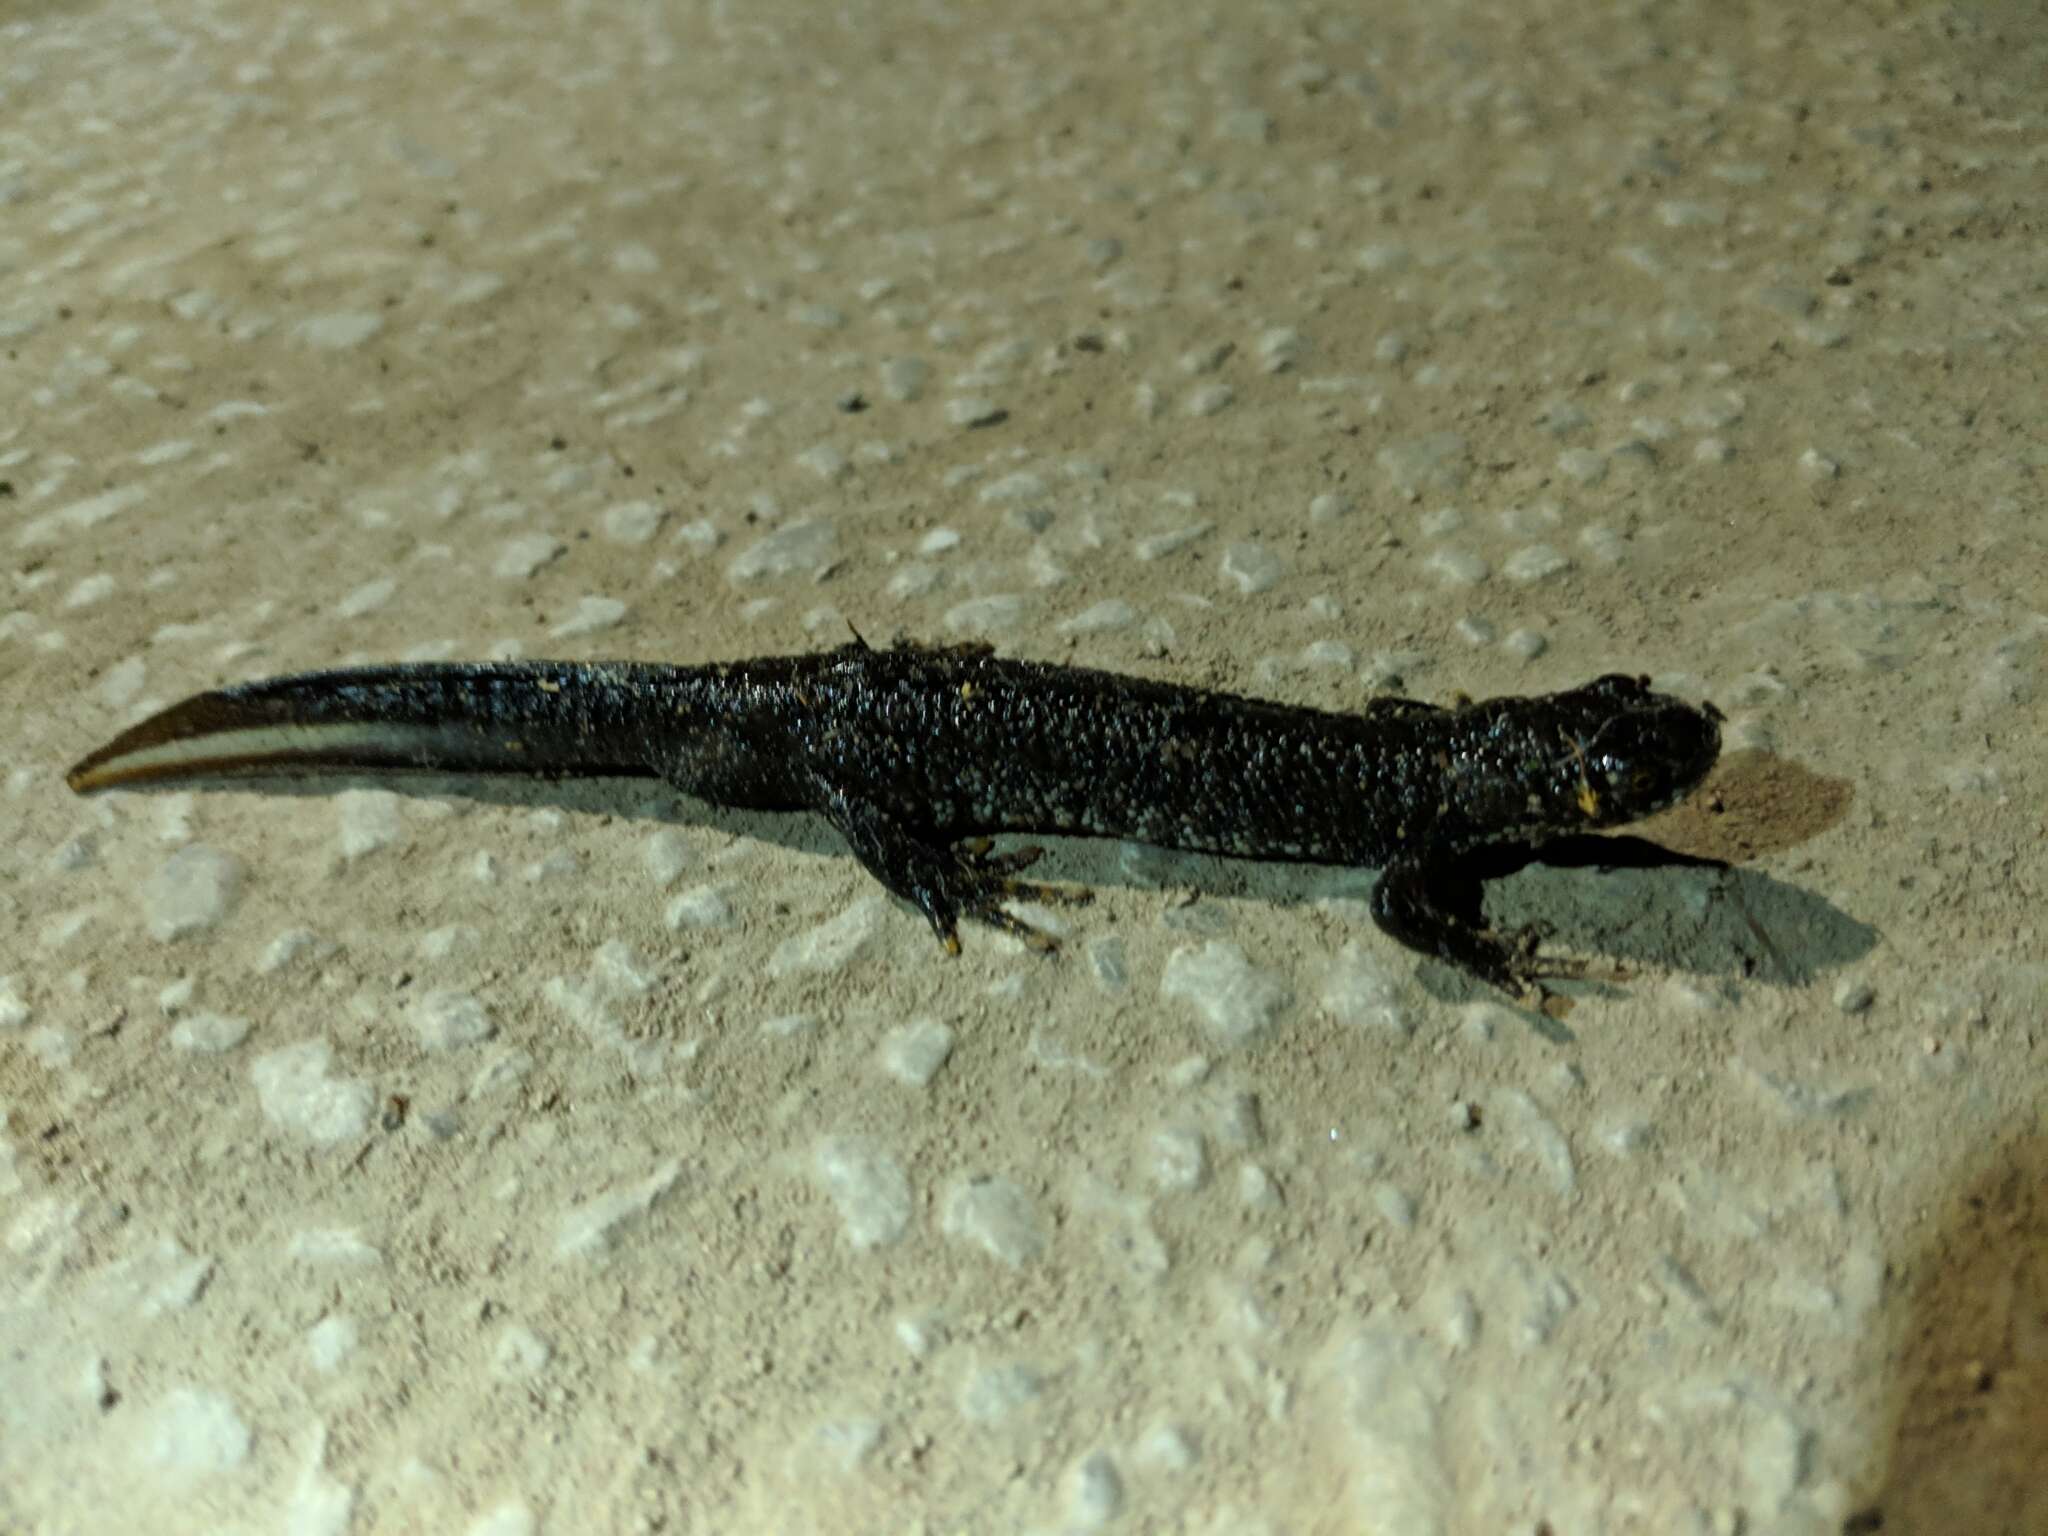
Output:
x=520 y=558
x=74 y=854
x=195 y=1433
x=89 y=590
x=1252 y=568
x=1234 y=1000
x=592 y=615
x=298 y=1095
x=191 y=893
x=701 y=906
x=329 y=1343
x=1541 y=1134
x=1457 y=568
x=209 y=1033
x=1395 y=1205
x=974 y=411
x=804 y=546
x=666 y=854
x=1208 y=399
x=831 y=945
x=14 y=1012
x=1159 y=545
x=445 y=1020
x=1110 y=614
x=122 y=684
x=1586 y=466
x=1169 y=1448
x=995 y=1216
x=867 y=1187
x=995 y=614
x=502 y=1071
x=597 y=1224
x=341 y=329
x=332 y=1245
x=369 y=821
x=1021 y=486
x=1358 y=991
x=509 y=1519
x=1437 y=462
x=1330 y=506
x=1094 y=1491
x=285 y=948
x=904 y=379
x=1535 y=563
x=1280 y=349
x=1179 y=1161
x=632 y=522
x=914 y=1053
x=520 y=1354
x=824 y=461
x=993 y=1393
x=367 y=598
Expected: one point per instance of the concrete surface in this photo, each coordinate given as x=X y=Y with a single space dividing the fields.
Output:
x=503 y=1159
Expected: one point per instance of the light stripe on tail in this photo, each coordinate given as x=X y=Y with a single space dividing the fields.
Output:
x=513 y=717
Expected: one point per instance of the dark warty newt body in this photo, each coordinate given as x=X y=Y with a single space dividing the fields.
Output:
x=918 y=754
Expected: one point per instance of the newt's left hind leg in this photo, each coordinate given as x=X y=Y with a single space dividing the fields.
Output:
x=944 y=881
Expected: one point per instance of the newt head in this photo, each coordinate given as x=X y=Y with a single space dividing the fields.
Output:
x=1600 y=755
x=1632 y=752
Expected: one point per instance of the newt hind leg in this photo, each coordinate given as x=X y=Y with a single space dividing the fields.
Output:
x=945 y=881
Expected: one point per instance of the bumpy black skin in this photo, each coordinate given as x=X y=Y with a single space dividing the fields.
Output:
x=914 y=753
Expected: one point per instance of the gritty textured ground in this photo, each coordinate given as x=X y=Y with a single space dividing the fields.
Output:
x=496 y=1159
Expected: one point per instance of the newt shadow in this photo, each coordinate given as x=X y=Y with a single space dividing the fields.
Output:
x=1677 y=902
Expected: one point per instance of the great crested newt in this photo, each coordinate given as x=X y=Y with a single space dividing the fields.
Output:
x=918 y=754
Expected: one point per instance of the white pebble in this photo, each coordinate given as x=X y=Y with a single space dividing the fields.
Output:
x=995 y=614
x=1095 y=1493
x=367 y=598
x=904 y=378
x=666 y=854
x=914 y=1053
x=191 y=893
x=445 y=1019
x=867 y=1187
x=592 y=615
x=341 y=329
x=1330 y=506
x=1535 y=562
x=973 y=411
x=701 y=906
x=209 y=1033
x=632 y=522
x=195 y=1433
x=804 y=546
x=830 y=946
x=1816 y=465
x=520 y=558
x=995 y=1216
x=297 y=1095
x=329 y=1342
x=1234 y=1000
x=1252 y=568
x=369 y=821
